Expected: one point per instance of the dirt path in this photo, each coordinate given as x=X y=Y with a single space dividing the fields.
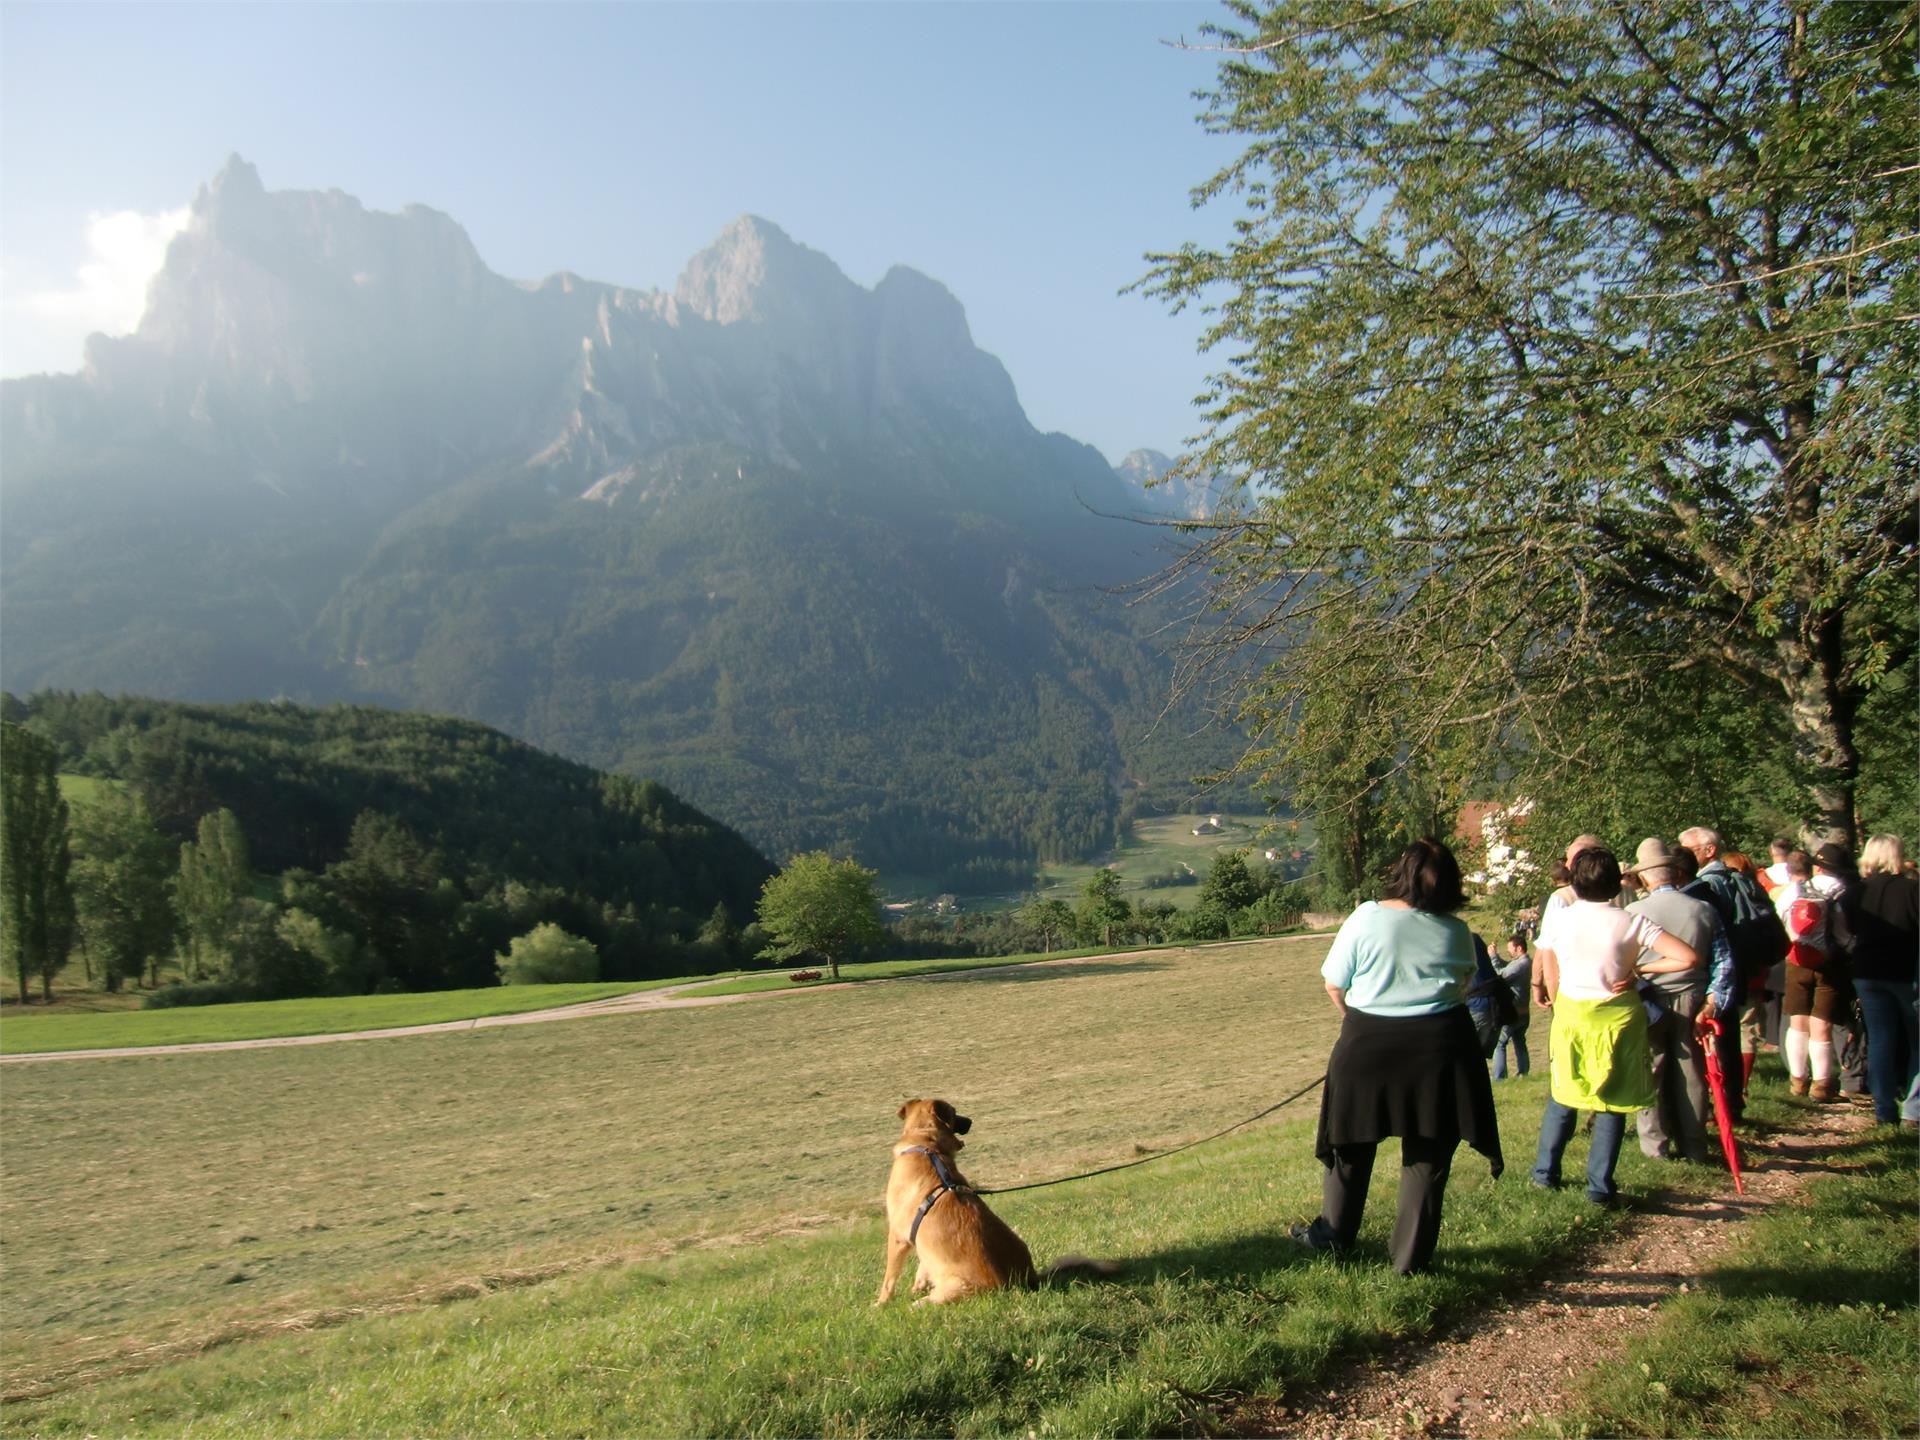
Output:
x=1512 y=1366
x=669 y=997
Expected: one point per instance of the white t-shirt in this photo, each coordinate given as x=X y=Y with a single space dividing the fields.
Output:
x=1595 y=945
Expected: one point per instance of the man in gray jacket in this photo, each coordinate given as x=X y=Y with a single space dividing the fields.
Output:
x=1687 y=1003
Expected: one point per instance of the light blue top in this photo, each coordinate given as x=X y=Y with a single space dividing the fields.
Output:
x=1400 y=962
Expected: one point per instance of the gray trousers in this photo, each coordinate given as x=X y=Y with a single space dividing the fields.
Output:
x=1678 y=1122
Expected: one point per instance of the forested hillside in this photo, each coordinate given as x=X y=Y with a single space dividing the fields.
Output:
x=422 y=844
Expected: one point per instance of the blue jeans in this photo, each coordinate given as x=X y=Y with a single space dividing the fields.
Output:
x=1516 y=1035
x=1888 y=1006
x=1556 y=1128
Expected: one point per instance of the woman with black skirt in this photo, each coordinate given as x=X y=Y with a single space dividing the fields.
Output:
x=1407 y=1062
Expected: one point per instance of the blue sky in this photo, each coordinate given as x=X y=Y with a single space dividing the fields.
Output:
x=1026 y=155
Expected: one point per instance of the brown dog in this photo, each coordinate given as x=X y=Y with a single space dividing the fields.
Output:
x=964 y=1248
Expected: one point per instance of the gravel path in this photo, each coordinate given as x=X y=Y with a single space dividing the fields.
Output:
x=1513 y=1366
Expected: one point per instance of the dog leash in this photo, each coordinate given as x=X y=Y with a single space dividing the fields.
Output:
x=1157 y=1155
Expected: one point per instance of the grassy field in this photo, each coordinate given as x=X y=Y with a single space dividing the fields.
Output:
x=668 y=1223
x=83 y=789
x=36 y=1030
x=23 y=1032
x=1160 y=845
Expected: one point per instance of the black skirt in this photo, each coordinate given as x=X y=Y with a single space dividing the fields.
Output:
x=1420 y=1075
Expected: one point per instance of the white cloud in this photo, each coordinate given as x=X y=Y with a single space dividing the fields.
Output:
x=45 y=320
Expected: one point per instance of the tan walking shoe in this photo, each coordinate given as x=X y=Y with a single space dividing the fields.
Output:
x=1825 y=1090
x=1797 y=1084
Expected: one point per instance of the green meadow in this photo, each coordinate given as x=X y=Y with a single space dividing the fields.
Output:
x=668 y=1223
x=1163 y=844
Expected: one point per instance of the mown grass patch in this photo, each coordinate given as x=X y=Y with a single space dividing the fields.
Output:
x=24 y=1033
x=705 y=1186
x=84 y=789
x=1808 y=1327
x=908 y=969
x=779 y=1338
x=137 y=1189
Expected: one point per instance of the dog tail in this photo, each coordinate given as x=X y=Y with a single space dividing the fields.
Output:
x=1080 y=1265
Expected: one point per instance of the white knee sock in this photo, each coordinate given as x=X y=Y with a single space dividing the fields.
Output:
x=1796 y=1042
x=1821 y=1052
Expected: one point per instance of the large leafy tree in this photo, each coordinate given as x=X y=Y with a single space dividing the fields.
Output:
x=36 y=901
x=213 y=878
x=121 y=869
x=821 y=906
x=1570 y=353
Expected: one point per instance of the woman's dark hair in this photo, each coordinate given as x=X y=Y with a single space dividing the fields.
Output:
x=1596 y=874
x=1427 y=877
x=1686 y=865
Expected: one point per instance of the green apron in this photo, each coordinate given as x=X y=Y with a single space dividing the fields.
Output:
x=1600 y=1056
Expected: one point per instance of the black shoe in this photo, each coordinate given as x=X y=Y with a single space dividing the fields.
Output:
x=1302 y=1234
x=1608 y=1202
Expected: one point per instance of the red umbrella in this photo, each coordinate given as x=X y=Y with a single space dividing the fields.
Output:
x=1722 y=1116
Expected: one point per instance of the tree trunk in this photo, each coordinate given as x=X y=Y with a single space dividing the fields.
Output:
x=1823 y=716
x=833 y=966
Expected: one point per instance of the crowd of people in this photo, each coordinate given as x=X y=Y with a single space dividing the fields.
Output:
x=1684 y=963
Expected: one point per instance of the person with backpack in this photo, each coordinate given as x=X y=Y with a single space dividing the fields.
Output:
x=1681 y=1007
x=1814 y=994
x=1753 y=929
x=1835 y=873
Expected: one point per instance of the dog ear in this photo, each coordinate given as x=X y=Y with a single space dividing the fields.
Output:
x=943 y=1112
x=903 y=1110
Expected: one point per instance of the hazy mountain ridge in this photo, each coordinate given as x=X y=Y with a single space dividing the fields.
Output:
x=786 y=542
x=1183 y=497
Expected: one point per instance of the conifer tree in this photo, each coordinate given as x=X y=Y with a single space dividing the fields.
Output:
x=36 y=900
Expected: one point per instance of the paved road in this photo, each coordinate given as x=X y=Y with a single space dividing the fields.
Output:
x=669 y=997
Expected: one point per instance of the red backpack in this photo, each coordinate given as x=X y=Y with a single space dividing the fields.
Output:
x=1806 y=918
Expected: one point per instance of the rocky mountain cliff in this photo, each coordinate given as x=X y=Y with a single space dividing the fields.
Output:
x=1183 y=497
x=784 y=541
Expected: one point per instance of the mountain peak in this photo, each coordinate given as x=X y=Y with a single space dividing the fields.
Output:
x=755 y=271
x=237 y=177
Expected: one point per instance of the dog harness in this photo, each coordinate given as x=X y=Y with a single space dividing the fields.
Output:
x=947 y=1182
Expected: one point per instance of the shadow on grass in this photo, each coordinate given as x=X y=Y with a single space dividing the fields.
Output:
x=1819 y=1285
x=1251 y=1256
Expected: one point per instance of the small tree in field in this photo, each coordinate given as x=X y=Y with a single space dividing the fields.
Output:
x=1051 y=920
x=821 y=906
x=1103 y=910
x=548 y=955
